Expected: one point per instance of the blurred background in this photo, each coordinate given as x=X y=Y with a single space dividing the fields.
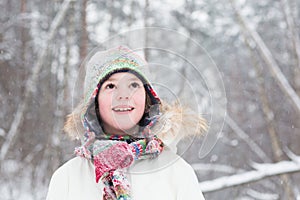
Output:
x=254 y=51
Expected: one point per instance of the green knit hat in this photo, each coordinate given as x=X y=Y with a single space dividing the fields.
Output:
x=104 y=63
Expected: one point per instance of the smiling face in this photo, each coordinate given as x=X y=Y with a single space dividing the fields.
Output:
x=121 y=102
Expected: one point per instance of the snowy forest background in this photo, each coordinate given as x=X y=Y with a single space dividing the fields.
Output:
x=254 y=44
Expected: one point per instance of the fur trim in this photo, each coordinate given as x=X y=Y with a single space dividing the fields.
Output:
x=175 y=123
x=178 y=122
x=73 y=125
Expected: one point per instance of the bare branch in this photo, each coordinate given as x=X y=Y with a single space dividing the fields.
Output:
x=239 y=132
x=269 y=60
x=262 y=196
x=245 y=137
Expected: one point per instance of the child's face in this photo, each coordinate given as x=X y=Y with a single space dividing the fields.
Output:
x=121 y=102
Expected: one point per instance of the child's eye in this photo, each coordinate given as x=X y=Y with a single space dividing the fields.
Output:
x=110 y=86
x=135 y=85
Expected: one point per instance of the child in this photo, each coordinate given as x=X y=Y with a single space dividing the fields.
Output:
x=129 y=138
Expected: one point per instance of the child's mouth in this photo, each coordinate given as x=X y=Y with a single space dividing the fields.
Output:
x=122 y=109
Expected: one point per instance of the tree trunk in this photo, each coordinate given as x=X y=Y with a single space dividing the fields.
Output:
x=112 y=16
x=268 y=114
x=131 y=15
x=84 y=33
x=23 y=33
x=146 y=36
x=290 y=21
x=293 y=35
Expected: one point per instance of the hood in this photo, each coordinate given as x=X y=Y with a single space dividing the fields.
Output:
x=175 y=122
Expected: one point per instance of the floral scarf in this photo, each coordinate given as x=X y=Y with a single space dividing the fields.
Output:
x=113 y=154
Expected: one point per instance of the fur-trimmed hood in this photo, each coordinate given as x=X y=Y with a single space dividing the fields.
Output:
x=175 y=123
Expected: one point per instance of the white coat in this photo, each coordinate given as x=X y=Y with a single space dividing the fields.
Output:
x=167 y=177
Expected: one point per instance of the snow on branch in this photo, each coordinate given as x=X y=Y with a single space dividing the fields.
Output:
x=291 y=155
x=216 y=168
x=2 y=132
x=261 y=171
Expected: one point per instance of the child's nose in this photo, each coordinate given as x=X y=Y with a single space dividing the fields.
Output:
x=123 y=94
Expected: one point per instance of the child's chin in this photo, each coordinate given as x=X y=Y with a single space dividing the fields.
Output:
x=127 y=129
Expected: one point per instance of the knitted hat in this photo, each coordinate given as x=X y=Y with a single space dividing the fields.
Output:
x=99 y=68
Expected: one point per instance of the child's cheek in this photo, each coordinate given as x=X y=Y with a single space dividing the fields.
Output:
x=140 y=97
